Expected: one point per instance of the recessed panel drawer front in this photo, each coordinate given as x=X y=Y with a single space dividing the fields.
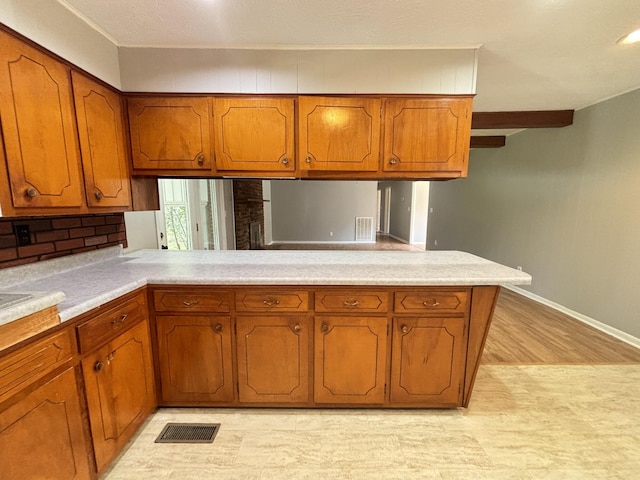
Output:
x=191 y=301
x=272 y=301
x=117 y=319
x=436 y=301
x=30 y=363
x=355 y=301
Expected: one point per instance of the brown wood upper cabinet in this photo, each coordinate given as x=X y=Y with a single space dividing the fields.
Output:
x=339 y=133
x=38 y=128
x=427 y=135
x=170 y=133
x=254 y=134
x=104 y=155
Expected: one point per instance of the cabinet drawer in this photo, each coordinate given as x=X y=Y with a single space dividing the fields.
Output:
x=32 y=362
x=272 y=301
x=357 y=300
x=437 y=301
x=190 y=301
x=117 y=319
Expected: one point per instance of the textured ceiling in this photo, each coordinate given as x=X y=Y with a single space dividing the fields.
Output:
x=535 y=54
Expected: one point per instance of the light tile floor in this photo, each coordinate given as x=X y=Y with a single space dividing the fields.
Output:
x=524 y=422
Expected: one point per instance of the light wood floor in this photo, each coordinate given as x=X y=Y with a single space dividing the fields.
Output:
x=383 y=242
x=526 y=332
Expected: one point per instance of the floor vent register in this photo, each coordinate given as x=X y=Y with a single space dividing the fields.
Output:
x=188 y=433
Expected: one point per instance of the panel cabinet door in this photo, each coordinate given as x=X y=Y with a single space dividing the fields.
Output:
x=39 y=128
x=42 y=436
x=102 y=143
x=273 y=358
x=350 y=359
x=428 y=361
x=195 y=358
x=254 y=134
x=120 y=391
x=170 y=133
x=339 y=134
x=427 y=135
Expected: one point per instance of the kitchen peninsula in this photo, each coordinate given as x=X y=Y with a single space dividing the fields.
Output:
x=247 y=328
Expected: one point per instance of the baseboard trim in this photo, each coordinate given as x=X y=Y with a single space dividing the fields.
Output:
x=303 y=242
x=603 y=327
x=402 y=240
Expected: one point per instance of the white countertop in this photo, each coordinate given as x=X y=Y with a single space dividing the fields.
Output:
x=90 y=280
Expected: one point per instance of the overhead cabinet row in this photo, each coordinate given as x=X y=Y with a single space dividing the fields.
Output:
x=301 y=136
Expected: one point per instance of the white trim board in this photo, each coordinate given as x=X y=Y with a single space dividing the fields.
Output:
x=603 y=327
x=329 y=242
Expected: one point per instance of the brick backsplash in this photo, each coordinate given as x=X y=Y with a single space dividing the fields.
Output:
x=53 y=237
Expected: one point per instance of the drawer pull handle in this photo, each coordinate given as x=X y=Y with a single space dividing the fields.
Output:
x=324 y=328
x=351 y=303
x=98 y=366
x=218 y=327
x=271 y=303
x=119 y=320
x=297 y=328
x=404 y=329
x=190 y=303
x=431 y=303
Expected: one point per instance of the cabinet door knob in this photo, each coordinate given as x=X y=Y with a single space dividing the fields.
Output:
x=393 y=161
x=285 y=161
x=98 y=195
x=404 y=329
x=308 y=159
x=324 y=328
x=31 y=192
x=297 y=327
x=351 y=303
x=431 y=303
x=218 y=327
x=200 y=159
x=98 y=366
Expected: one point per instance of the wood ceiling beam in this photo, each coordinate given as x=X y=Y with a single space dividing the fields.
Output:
x=522 y=119
x=490 y=141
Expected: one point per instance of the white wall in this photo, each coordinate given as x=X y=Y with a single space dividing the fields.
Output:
x=51 y=25
x=320 y=211
x=419 y=213
x=298 y=71
x=562 y=203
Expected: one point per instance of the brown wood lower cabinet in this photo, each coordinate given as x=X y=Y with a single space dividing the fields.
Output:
x=195 y=358
x=428 y=360
x=350 y=359
x=396 y=347
x=120 y=390
x=43 y=436
x=273 y=354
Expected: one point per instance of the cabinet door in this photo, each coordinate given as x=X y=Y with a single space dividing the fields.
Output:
x=195 y=358
x=39 y=128
x=101 y=132
x=42 y=436
x=339 y=134
x=170 y=133
x=254 y=134
x=350 y=359
x=427 y=135
x=120 y=391
x=428 y=361
x=273 y=358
